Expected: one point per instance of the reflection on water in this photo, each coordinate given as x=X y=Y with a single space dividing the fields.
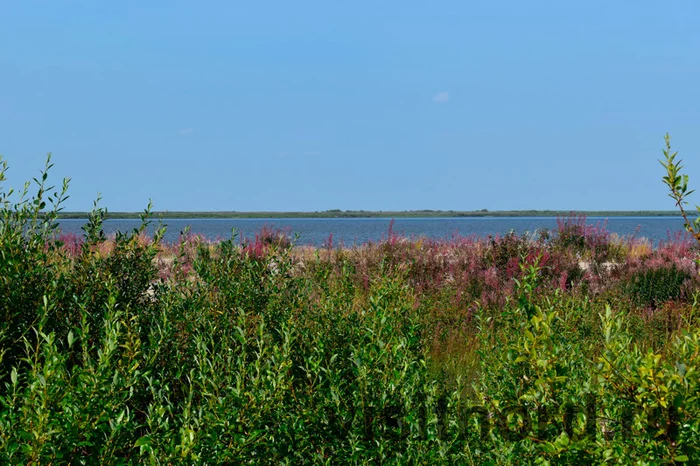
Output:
x=349 y=231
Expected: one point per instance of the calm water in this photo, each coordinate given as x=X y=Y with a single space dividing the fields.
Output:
x=316 y=231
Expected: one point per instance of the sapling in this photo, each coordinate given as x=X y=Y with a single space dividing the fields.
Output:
x=677 y=182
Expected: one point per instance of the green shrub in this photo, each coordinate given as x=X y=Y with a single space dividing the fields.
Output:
x=241 y=355
x=651 y=287
x=29 y=262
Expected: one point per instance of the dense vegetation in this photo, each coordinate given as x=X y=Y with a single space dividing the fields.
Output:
x=572 y=347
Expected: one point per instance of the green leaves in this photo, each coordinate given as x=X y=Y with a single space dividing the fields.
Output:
x=285 y=356
x=677 y=183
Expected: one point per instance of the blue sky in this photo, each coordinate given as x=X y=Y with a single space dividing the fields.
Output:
x=277 y=105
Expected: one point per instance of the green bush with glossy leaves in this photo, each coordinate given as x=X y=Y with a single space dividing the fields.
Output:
x=247 y=354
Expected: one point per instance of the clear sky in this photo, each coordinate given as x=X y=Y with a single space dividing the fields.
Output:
x=374 y=105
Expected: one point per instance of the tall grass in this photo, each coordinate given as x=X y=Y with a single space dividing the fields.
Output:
x=573 y=347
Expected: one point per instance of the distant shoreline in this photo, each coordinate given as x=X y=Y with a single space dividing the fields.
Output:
x=379 y=214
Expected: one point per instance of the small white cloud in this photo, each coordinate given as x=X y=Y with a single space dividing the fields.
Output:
x=186 y=131
x=300 y=154
x=441 y=97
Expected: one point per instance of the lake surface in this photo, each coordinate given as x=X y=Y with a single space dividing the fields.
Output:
x=350 y=231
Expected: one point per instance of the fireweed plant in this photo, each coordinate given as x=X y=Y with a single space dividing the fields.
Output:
x=566 y=347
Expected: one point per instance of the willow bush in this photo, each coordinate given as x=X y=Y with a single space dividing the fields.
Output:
x=465 y=351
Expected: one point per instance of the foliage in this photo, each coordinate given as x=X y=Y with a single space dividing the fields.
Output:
x=502 y=350
x=653 y=287
x=677 y=183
